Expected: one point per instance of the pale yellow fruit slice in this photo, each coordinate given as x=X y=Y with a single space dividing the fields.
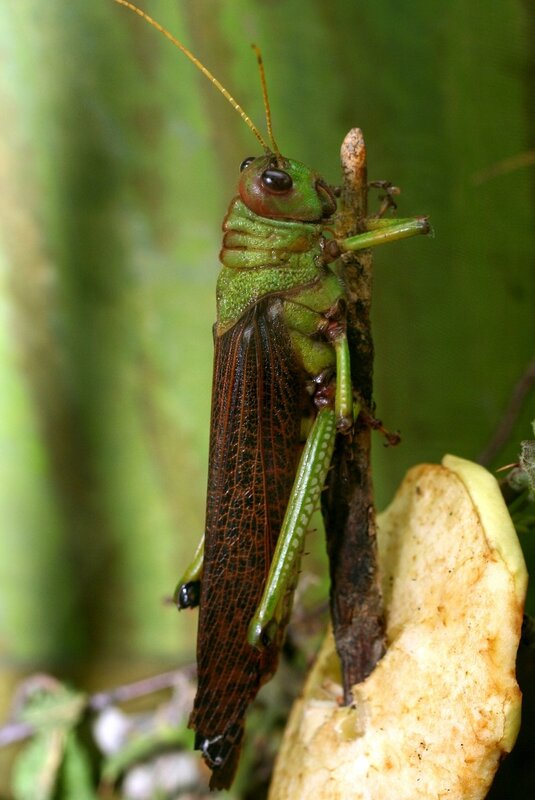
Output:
x=443 y=706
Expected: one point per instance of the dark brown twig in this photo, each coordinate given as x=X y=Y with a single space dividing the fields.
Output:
x=347 y=503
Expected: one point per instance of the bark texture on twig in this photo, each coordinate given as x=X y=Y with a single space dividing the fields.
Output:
x=348 y=508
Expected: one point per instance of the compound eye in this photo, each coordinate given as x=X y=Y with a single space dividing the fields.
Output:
x=245 y=163
x=276 y=180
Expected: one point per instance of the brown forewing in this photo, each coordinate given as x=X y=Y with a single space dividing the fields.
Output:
x=254 y=447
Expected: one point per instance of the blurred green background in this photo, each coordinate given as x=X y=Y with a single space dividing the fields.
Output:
x=117 y=162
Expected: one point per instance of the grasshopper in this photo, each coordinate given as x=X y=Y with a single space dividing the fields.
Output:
x=281 y=356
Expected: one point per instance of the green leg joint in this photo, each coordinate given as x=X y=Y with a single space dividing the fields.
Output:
x=383 y=231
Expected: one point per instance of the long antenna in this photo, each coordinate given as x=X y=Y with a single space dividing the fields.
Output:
x=266 y=99
x=200 y=66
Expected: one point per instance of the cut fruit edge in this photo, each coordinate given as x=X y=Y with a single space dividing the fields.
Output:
x=443 y=705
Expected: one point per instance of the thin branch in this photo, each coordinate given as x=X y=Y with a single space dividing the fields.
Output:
x=132 y=691
x=512 y=411
x=511 y=164
x=16 y=731
x=13 y=732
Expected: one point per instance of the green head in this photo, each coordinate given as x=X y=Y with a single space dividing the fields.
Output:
x=281 y=188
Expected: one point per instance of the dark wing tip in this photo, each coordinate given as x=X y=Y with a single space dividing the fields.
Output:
x=223 y=776
x=222 y=754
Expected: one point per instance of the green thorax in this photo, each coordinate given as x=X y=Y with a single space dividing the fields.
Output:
x=261 y=257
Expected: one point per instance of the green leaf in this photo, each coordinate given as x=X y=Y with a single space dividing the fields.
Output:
x=36 y=769
x=52 y=765
x=76 y=778
x=52 y=705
